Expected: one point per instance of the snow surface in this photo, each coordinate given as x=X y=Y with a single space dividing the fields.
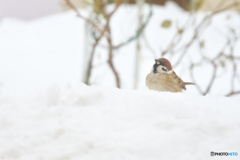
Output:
x=47 y=114
x=84 y=122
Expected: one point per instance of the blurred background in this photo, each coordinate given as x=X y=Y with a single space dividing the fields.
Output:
x=114 y=43
x=28 y=10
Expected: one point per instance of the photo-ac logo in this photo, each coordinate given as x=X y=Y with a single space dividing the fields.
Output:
x=223 y=153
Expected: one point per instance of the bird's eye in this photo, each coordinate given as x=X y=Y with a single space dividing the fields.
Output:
x=164 y=69
x=158 y=62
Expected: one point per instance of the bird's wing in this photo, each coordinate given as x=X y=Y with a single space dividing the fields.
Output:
x=179 y=81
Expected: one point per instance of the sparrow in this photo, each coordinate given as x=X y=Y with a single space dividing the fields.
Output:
x=163 y=78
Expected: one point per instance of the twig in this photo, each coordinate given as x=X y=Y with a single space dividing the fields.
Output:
x=212 y=79
x=110 y=57
x=149 y=46
x=233 y=93
x=102 y=33
x=69 y=3
x=109 y=40
x=138 y=33
x=89 y=68
x=174 y=41
x=198 y=31
x=193 y=78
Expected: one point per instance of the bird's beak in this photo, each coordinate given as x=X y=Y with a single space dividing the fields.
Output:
x=157 y=61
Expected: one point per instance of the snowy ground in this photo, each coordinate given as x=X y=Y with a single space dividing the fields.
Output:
x=104 y=123
x=45 y=113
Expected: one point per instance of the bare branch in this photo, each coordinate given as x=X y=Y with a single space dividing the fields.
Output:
x=193 y=78
x=212 y=79
x=110 y=57
x=102 y=33
x=69 y=3
x=233 y=93
x=149 y=46
x=109 y=40
x=197 y=32
x=118 y=3
x=89 y=68
x=138 y=33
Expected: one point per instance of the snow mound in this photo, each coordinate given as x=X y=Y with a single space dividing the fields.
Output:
x=85 y=122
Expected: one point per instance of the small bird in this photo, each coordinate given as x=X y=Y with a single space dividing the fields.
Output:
x=163 y=78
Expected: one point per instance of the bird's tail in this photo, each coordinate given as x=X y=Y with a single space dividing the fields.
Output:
x=189 y=83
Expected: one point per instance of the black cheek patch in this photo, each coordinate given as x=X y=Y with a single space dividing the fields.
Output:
x=155 y=68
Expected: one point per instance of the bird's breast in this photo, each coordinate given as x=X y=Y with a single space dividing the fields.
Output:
x=161 y=82
x=153 y=80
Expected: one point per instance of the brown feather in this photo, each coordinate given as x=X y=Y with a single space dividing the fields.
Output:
x=179 y=81
x=166 y=63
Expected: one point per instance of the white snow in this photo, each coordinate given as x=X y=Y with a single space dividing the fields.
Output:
x=46 y=113
x=85 y=122
x=37 y=54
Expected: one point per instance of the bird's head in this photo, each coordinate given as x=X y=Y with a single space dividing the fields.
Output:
x=162 y=65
